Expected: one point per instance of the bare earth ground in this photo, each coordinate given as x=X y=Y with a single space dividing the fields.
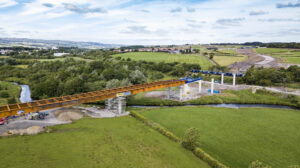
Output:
x=55 y=117
x=257 y=60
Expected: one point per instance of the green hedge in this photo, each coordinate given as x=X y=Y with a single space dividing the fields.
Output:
x=208 y=159
x=155 y=126
x=197 y=151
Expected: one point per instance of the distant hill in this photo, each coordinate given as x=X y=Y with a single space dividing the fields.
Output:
x=52 y=43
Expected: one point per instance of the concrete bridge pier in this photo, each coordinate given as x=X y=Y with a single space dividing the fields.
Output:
x=108 y=104
x=116 y=105
x=200 y=86
x=181 y=92
x=212 y=86
x=121 y=104
x=222 y=79
x=234 y=77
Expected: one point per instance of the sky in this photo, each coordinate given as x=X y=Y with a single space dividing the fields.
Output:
x=152 y=22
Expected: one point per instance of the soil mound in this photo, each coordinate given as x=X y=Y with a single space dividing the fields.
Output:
x=68 y=115
x=29 y=131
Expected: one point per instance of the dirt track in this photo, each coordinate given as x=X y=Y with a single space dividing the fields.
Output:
x=257 y=60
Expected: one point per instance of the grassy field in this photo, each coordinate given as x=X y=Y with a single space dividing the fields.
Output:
x=286 y=55
x=116 y=142
x=21 y=66
x=165 y=57
x=227 y=60
x=12 y=89
x=59 y=59
x=228 y=57
x=236 y=137
x=4 y=56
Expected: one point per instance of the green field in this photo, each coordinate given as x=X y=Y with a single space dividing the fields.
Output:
x=12 y=89
x=58 y=59
x=228 y=60
x=286 y=55
x=236 y=137
x=228 y=57
x=165 y=57
x=115 y=142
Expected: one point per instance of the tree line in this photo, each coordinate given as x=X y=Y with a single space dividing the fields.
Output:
x=57 y=78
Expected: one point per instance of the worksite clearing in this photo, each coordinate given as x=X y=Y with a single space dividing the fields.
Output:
x=22 y=125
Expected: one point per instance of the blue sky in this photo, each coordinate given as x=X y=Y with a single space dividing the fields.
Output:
x=152 y=21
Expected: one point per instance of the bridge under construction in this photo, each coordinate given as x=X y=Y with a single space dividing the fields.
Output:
x=71 y=100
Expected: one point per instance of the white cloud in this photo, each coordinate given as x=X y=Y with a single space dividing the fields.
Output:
x=7 y=3
x=151 y=22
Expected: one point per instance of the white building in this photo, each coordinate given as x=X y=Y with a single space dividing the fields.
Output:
x=60 y=54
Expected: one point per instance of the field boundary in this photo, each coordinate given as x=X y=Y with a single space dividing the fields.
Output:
x=198 y=152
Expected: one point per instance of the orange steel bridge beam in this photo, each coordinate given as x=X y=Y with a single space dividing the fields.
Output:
x=71 y=100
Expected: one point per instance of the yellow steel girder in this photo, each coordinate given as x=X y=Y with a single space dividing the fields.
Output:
x=71 y=100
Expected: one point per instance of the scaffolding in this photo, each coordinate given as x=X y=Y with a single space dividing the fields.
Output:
x=116 y=105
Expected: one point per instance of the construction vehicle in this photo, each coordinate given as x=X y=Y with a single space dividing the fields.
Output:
x=37 y=116
x=3 y=121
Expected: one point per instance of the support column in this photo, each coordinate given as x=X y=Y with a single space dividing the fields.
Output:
x=212 y=86
x=186 y=89
x=121 y=104
x=181 y=89
x=200 y=86
x=109 y=103
x=234 y=76
x=169 y=93
x=119 y=109
x=222 y=79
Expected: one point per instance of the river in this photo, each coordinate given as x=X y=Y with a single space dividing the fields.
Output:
x=25 y=95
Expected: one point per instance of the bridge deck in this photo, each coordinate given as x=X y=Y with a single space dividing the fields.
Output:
x=71 y=100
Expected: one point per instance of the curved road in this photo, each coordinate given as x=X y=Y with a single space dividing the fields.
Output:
x=268 y=59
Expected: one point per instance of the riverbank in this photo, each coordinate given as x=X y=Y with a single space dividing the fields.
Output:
x=227 y=97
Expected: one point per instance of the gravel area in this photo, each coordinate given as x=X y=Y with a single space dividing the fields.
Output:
x=23 y=123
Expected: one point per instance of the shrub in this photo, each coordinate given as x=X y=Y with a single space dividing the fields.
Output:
x=4 y=94
x=258 y=164
x=11 y=100
x=191 y=138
